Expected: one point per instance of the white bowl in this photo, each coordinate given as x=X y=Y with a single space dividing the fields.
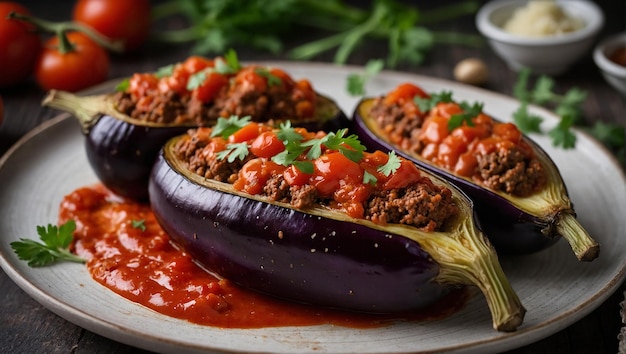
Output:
x=550 y=55
x=613 y=73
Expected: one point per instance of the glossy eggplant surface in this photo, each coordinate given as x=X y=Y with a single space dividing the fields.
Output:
x=514 y=224
x=322 y=256
x=122 y=149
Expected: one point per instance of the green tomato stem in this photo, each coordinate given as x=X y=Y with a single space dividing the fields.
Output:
x=61 y=28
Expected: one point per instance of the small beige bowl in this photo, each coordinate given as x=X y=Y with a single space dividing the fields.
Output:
x=550 y=55
x=613 y=73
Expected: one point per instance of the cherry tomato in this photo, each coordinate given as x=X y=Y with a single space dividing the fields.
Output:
x=128 y=21
x=19 y=46
x=86 y=65
x=266 y=145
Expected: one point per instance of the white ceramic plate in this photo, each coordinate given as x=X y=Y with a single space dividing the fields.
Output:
x=556 y=289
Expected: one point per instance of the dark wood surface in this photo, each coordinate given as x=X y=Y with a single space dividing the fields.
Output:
x=28 y=327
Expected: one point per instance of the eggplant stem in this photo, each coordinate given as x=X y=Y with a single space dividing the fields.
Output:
x=468 y=258
x=87 y=109
x=584 y=246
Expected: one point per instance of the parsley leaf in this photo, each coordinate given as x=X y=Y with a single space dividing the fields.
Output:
x=139 y=224
x=355 y=84
x=470 y=111
x=525 y=121
x=272 y=80
x=234 y=151
x=227 y=126
x=369 y=178
x=196 y=80
x=392 y=164
x=164 y=71
x=288 y=133
x=426 y=104
x=123 y=86
x=562 y=135
x=566 y=106
x=54 y=246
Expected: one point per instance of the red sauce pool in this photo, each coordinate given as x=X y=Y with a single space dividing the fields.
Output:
x=130 y=254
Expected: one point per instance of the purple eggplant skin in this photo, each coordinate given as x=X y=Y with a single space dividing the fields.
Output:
x=291 y=254
x=121 y=154
x=510 y=229
x=121 y=149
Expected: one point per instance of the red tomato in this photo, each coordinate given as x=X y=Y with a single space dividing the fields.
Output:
x=210 y=87
x=124 y=20
x=266 y=145
x=87 y=65
x=19 y=46
x=246 y=133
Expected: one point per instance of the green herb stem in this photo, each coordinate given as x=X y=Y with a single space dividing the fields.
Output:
x=445 y=13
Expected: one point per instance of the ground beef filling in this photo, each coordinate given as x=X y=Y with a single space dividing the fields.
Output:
x=422 y=205
x=172 y=108
x=508 y=170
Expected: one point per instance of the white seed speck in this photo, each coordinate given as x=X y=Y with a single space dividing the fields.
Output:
x=313 y=236
x=312 y=250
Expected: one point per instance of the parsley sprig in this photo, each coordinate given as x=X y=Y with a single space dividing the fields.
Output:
x=54 y=246
x=566 y=106
x=356 y=82
x=225 y=127
x=470 y=110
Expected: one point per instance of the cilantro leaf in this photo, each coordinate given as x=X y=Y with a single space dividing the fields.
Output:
x=164 y=71
x=562 y=135
x=139 y=224
x=227 y=126
x=369 y=178
x=525 y=121
x=272 y=80
x=54 y=246
x=469 y=112
x=426 y=104
x=196 y=80
x=230 y=64
x=542 y=93
x=392 y=165
x=288 y=133
x=234 y=151
x=356 y=82
x=123 y=86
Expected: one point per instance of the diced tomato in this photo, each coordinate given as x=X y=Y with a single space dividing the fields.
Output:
x=194 y=64
x=295 y=177
x=332 y=171
x=405 y=175
x=266 y=145
x=435 y=129
x=210 y=88
x=141 y=84
x=247 y=133
x=404 y=92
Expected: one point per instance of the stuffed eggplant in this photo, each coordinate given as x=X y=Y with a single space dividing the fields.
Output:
x=518 y=192
x=125 y=130
x=313 y=218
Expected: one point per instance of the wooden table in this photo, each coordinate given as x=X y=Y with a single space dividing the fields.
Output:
x=28 y=327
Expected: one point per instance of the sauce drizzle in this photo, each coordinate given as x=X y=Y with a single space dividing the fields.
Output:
x=129 y=253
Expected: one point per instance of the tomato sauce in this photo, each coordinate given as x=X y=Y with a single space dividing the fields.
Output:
x=129 y=253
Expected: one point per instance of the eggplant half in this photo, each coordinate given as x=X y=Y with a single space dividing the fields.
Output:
x=514 y=225
x=322 y=256
x=121 y=149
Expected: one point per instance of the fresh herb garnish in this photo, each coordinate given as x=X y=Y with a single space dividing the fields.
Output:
x=566 y=106
x=139 y=224
x=272 y=80
x=469 y=112
x=164 y=71
x=392 y=164
x=349 y=146
x=428 y=103
x=287 y=133
x=234 y=151
x=369 y=178
x=54 y=246
x=227 y=126
x=123 y=86
x=456 y=120
x=355 y=84
x=196 y=80
x=214 y=26
x=230 y=64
